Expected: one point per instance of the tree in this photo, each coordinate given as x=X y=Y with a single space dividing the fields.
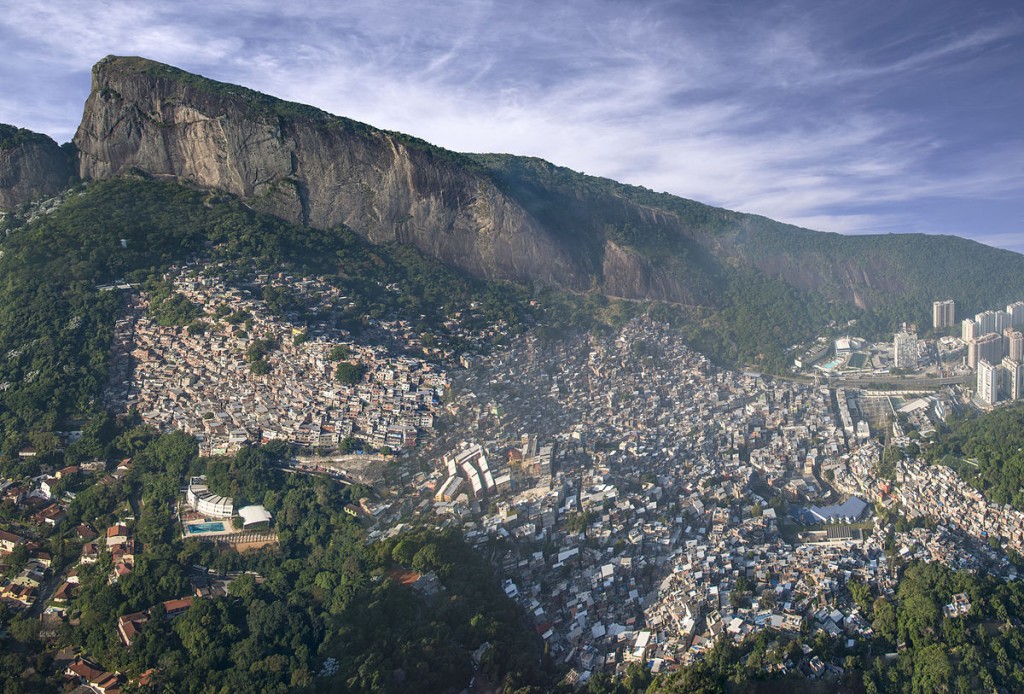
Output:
x=884 y=619
x=933 y=672
x=429 y=558
x=918 y=620
x=861 y=594
x=205 y=631
x=25 y=629
x=349 y=444
x=17 y=559
x=349 y=373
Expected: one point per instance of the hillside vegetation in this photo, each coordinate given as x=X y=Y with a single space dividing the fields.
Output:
x=498 y=216
x=56 y=326
x=988 y=451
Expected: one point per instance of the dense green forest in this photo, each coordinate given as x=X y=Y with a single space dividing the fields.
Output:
x=988 y=452
x=321 y=593
x=980 y=651
x=11 y=136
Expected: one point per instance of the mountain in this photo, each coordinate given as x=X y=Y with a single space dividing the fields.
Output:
x=180 y=168
x=31 y=166
x=308 y=167
x=748 y=286
x=495 y=216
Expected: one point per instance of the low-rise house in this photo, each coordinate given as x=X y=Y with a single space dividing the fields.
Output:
x=63 y=593
x=117 y=534
x=94 y=677
x=9 y=541
x=90 y=553
x=129 y=626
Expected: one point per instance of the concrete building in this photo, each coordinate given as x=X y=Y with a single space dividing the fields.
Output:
x=988 y=347
x=471 y=465
x=905 y=350
x=943 y=313
x=254 y=515
x=986 y=321
x=849 y=511
x=812 y=355
x=1016 y=311
x=1002 y=321
x=988 y=382
x=968 y=330
x=206 y=502
x=1013 y=373
x=1014 y=344
x=449 y=490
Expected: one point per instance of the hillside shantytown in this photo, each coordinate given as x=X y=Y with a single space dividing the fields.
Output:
x=638 y=502
x=289 y=402
x=655 y=537
x=203 y=385
x=648 y=502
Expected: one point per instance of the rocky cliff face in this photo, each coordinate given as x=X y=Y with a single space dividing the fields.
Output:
x=311 y=168
x=495 y=216
x=31 y=166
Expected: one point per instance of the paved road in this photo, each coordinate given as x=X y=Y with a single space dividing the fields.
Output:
x=867 y=382
x=905 y=383
x=45 y=592
x=337 y=477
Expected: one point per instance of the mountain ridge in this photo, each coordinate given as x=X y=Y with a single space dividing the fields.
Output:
x=497 y=216
x=31 y=166
x=308 y=168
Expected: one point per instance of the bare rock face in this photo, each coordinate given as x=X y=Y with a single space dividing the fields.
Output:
x=630 y=274
x=31 y=166
x=308 y=167
x=494 y=216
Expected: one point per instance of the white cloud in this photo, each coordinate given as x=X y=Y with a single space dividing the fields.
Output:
x=769 y=110
x=1013 y=240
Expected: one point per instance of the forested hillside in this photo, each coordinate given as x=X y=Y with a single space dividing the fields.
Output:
x=320 y=593
x=988 y=451
x=896 y=276
x=56 y=324
x=499 y=216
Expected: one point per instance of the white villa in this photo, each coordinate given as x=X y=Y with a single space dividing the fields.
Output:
x=203 y=500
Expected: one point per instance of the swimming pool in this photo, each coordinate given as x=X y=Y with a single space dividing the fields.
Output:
x=200 y=528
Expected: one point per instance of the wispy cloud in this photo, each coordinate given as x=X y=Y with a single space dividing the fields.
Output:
x=850 y=119
x=1013 y=241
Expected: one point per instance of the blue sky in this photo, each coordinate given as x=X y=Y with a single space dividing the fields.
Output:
x=856 y=117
